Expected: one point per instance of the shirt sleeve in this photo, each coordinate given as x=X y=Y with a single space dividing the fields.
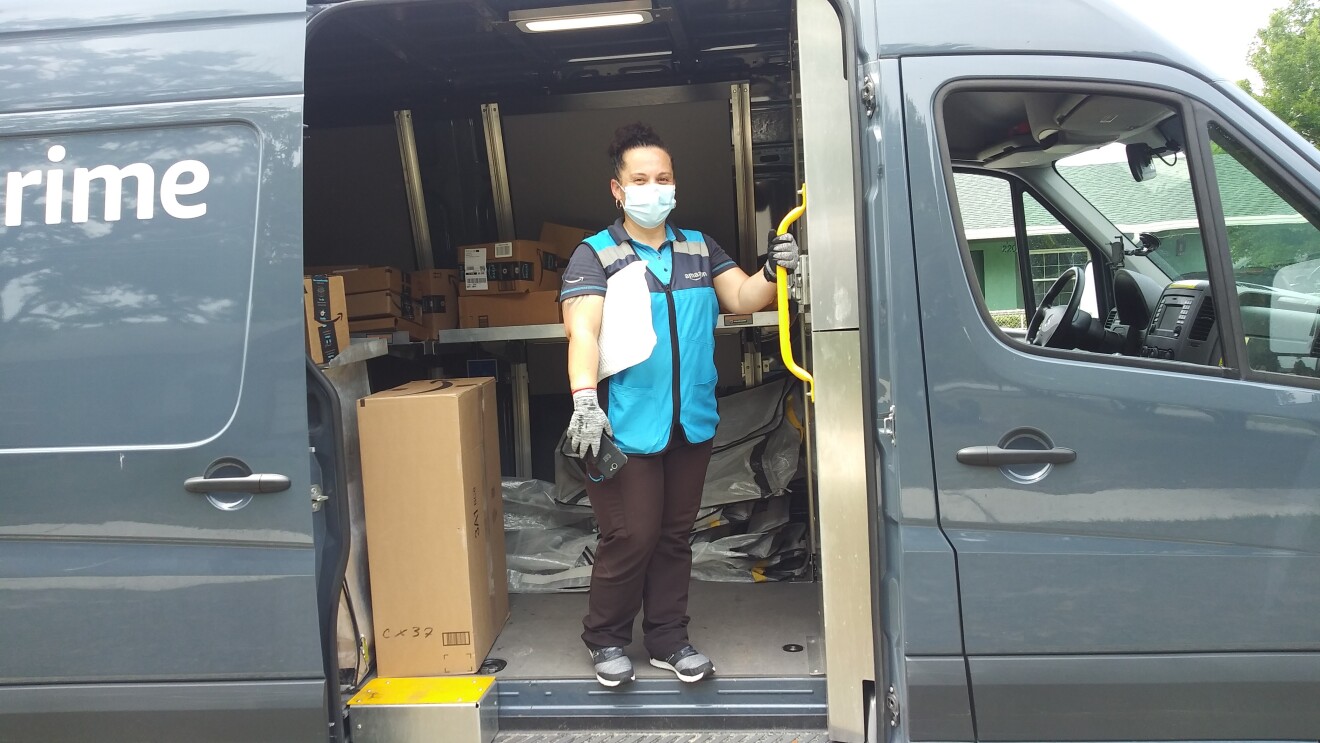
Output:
x=584 y=276
x=719 y=260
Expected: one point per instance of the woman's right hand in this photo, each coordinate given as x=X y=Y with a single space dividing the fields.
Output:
x=588 y=424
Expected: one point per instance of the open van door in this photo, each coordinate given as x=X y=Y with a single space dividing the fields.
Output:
x=157 y=560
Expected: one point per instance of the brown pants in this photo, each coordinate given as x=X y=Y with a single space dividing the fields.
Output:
x=644 y=559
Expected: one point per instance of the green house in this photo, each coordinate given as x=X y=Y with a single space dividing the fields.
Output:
x=1262 y=227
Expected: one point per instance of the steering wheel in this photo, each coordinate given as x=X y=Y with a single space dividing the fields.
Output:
x=1052 y=326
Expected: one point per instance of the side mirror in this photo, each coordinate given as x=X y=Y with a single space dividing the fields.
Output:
x=1140 y=157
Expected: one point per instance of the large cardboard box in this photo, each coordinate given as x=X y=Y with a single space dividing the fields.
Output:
x=327 y=319
x=506 y=310
x=514 y=267
x=388 y=326
x=382 y=304
x=565 y=239
x=359 y=280
x=435 y=525
x=435 y=293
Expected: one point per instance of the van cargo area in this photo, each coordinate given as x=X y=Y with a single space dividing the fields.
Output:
x=440 y=135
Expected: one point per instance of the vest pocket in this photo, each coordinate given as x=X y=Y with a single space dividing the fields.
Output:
x=700 y=413
x=640 y=417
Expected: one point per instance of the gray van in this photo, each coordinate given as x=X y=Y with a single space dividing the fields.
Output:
x=1062 y=304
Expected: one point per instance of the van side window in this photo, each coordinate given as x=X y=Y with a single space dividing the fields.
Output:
x=986 y=203
x=1275 y=245
x=1096 y=188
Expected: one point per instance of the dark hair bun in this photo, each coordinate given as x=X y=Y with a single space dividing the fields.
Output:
x=630 y=137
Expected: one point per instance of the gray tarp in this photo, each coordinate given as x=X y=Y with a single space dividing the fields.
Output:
x=742 y=532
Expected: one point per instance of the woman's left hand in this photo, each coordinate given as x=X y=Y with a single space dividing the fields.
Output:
x=784 y=252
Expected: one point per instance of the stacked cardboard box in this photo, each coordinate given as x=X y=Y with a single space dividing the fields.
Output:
x=435 y=525
x=380 y=301
x=326 y=317
x=435 y=293
x=516 y=282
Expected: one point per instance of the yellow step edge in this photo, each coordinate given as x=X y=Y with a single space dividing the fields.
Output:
x=427 y=690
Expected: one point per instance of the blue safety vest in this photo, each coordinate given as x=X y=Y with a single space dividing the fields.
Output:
x=645 y=401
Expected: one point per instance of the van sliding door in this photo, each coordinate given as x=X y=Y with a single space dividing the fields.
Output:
x=151 y=339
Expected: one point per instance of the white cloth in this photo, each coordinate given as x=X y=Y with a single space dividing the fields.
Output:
x=627 y=336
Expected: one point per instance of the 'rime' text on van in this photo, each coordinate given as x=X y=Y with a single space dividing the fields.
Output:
x=184 y=178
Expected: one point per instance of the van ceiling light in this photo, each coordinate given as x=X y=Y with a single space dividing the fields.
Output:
x=576 y=17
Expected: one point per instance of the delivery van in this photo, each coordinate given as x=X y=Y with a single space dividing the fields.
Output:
x=1060 y=298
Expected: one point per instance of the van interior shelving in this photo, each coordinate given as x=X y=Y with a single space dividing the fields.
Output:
x=717 y=79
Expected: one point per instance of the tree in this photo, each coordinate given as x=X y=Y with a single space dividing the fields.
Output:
x=1286 y=54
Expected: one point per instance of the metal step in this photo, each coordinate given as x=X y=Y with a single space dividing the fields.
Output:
x=739 y=736
x=648 y=704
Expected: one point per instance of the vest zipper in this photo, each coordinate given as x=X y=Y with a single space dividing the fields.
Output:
x=673 y=349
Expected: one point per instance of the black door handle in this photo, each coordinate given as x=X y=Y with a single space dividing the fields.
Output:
x=994 y=456
x=248 y=484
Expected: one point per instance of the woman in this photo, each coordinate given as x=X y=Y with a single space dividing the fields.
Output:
x=661 y=412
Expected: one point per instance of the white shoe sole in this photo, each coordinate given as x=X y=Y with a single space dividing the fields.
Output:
x=611 y=683
x=681 y=677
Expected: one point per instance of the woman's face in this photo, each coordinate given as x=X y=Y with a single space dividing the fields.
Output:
x=643 y=165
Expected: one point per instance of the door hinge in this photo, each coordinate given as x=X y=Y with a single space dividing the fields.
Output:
x=892 y=707
x=868 y=96
x=318 y=497
x=889 y=427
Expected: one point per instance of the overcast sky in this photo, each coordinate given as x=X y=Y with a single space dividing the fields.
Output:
x=1218 y=32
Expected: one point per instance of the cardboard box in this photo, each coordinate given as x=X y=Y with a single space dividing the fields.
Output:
x=515 y=267
x=326 y=320
x=313 y=270
x=565 y=239
x=506 y=310
x=387 y=326
x=382 y=304
x=435 y=525
x=435 y=293
x=373 y=279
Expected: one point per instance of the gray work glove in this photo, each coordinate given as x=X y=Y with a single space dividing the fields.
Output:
x=783 y=252
x=587 y=424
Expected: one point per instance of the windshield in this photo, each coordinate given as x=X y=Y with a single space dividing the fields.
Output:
x=1163 y=206
x=1266 y=234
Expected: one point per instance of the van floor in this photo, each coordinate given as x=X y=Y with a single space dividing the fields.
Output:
x=743 y=627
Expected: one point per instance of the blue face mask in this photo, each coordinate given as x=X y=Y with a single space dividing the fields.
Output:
x=650 y=204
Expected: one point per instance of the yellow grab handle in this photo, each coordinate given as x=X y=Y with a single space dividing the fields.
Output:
x=781 y=287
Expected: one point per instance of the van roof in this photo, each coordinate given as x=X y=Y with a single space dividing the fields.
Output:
x=1070 y=27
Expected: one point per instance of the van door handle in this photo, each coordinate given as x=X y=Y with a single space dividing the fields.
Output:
x=248 y=484
x=994 y=456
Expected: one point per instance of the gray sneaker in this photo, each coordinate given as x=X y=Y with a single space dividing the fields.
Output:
x=686 y=663
x=612 y=666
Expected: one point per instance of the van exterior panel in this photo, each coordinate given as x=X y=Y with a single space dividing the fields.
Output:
x=930 y=593
x=1231 y=696
x=47 y=586
x=155 y=335
x=939 y=707
x=271 y=712
x=163 y=56
x=1137 y=596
